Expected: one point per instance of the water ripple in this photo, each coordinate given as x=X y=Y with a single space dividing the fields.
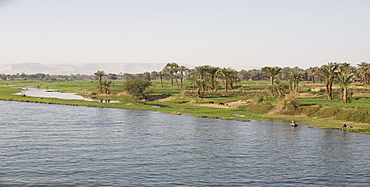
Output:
x=54 y=145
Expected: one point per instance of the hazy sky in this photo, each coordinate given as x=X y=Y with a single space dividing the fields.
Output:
x=224 y=33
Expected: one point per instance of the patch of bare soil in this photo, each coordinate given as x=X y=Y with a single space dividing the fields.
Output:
x=7 y=85
x=166 y=99
x=305 y=95
x=226 y=105
x=121 y=93
x=361 y=94
x=90 y=92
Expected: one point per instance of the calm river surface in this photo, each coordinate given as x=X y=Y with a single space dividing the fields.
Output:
x=56 y=145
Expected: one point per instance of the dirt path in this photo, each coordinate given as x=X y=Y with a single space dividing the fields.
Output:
x=225 y=105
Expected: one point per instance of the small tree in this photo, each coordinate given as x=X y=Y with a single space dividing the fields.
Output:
x=328 y=73
x=182 y=70
x=137 y=87
x=171 y=68
x=271 y=72
x=99 y=76
x=278 y=89
x=226 y=75
x=161 y=74
x=344 y=80
x=106 y=86
x=293 y=79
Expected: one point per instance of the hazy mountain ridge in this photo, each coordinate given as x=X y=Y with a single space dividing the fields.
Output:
x=87 y=68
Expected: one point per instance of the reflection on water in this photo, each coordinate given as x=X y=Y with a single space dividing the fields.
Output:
x=80 y=146
x=49 y=93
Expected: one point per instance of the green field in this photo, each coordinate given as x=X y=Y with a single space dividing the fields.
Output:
x=248 y=100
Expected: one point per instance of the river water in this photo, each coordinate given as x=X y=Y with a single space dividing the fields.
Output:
x=56 y=145
x=50 y=93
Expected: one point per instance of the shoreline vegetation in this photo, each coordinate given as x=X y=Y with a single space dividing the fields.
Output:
x=304 y=100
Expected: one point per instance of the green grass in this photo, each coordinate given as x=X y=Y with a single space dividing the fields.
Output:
x=322 y=112
x=336 y=103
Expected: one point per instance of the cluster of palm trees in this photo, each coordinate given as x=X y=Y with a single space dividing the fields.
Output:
x=104 y=85
x=341 y=73
x=210 y=78
x=205 y=78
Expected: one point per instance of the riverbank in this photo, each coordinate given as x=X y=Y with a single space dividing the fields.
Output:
x=193 y=107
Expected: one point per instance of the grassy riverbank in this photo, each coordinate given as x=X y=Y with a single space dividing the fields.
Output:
x=243 y=103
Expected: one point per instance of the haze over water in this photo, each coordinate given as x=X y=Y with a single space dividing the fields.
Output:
x=52 y=145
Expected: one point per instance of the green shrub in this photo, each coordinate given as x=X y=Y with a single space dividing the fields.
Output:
x=327 y=112
x=259 y=108
x=291 y=112
x=291 y=104
x=311 y=110
x=358 y=115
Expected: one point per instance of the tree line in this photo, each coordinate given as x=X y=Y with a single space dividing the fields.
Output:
x=209 y=78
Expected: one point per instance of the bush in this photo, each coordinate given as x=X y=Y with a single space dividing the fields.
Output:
x=291 y=104
x=311 y=110
x=327 y=112
x=137 y=87
x=259 y=108
x=359 y=115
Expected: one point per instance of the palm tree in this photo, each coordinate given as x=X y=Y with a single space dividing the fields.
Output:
x=311 y=72
x=345 y=79
x=199 y=77
x=212 y=72
x=161 y=74
x=293 y=78
x=271 y=72
x=182 y=70
x=346 y=67
x=234 y=78
x=99 y=75
x=225 y=74
x=191 y=76
x=278 y=89
x=106 y=86
x=171 y=69
x=328 y=72
x=363 y=71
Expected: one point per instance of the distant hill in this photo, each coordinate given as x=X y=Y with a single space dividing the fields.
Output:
x=87 y=69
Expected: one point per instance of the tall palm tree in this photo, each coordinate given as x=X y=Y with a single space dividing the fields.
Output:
x=271 y=72
x=182 y=70
x=328 y=72
x=171 y=69
x=99 y=75
x=161 y=74
x=345 y=79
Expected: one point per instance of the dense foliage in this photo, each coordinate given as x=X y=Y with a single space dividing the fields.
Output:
x=137 y=87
